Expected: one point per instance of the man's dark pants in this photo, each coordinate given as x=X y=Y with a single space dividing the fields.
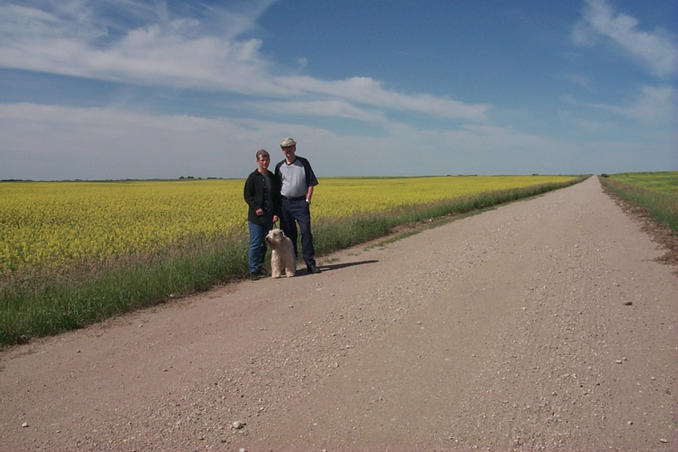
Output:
x=298 y=210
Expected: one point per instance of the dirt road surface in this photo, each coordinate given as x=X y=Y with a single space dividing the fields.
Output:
x=543 y=324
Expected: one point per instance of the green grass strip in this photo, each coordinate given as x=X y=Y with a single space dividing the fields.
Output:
x=661 y=205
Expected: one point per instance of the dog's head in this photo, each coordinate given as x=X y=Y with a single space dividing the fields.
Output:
x=275 y=237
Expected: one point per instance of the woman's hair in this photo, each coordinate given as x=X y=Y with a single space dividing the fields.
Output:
x=263 y=152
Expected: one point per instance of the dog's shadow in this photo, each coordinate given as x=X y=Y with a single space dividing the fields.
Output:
x=330 y=267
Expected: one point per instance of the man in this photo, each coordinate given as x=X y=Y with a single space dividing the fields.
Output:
x=262 y=195
x=296 y=179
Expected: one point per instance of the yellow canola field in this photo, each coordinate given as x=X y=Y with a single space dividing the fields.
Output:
x=57 y=224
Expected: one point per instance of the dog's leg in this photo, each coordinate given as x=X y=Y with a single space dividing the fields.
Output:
x=276 y=265
x=290 y=260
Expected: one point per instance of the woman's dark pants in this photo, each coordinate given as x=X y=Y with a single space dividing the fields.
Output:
x=257 y=249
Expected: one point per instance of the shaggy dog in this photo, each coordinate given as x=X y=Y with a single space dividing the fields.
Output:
x=282 y=254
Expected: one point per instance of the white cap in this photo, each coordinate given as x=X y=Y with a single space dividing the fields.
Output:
x=287 y=142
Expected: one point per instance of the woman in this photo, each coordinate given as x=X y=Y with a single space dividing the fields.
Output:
x=262 y=195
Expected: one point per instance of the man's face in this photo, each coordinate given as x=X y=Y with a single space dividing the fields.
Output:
x=263 y=162
x=289 y=152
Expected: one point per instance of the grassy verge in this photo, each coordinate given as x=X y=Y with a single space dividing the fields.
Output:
x=55 y=303
x=662 y=206
x=47 y=304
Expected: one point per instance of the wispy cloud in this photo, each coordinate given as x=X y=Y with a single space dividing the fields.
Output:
x=195 y=46
x=651 y=105
x=587 y=124
x=568 y=99
x=225 y=147
x=327 y=108
x=367 y=91
x=580 y=80
x=148 y=46
x=654 y=104
x=40 y=141
x=657 y=50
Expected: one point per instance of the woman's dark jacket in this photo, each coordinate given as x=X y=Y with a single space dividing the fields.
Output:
x=256 y=197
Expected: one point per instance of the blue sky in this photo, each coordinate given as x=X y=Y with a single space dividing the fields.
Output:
x=161 y=89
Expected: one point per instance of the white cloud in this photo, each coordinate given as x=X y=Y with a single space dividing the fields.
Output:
x=368 y=91
x=174 y=52
x=103 y=143
x=54 y=142
x=568 y=99
x=653 y=105
x=580 y=80
x=327 y=108
x=587 y=124
x=656 y=50
x=154 y=45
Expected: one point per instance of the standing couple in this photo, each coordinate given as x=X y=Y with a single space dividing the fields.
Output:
x=285 y=195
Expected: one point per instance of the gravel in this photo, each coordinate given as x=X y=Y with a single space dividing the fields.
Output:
x=540 y=325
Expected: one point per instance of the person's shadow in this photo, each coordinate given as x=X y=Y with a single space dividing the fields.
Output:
x=330 y=267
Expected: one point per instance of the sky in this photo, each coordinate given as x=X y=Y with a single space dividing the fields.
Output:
x=130 y=89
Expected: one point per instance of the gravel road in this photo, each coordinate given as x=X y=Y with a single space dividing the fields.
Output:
x=542 y=324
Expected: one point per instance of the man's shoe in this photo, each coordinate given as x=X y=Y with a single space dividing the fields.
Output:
x=313 y=269
x=255 y=276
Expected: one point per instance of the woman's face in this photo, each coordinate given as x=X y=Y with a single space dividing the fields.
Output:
x=263 y=162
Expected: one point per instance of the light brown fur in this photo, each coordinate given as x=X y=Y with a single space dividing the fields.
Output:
x=282 y=254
